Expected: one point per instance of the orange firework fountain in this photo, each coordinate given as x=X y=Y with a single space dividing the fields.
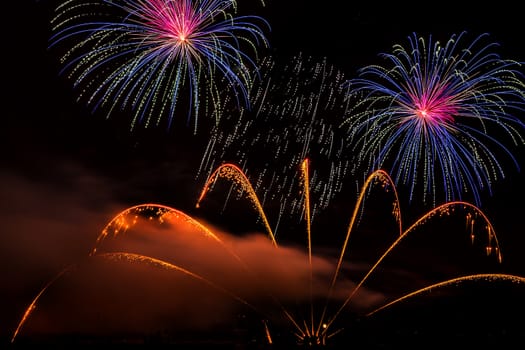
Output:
x=316 y=328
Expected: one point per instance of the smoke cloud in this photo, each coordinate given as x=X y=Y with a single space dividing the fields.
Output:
x=155 y=273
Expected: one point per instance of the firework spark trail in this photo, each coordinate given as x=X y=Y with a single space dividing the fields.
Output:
x=236 y=175
x=145 y=54
x=385 y=180
x=129 y=257
x=126 y=219
x=306 y=185
x=124 y=256
x=295 y=105
x=444 y=209
x=120 y=223
x=453 y=281
x=29 y=310
x=437 y=114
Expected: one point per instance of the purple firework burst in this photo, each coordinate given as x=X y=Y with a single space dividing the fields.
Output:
x=145 y=54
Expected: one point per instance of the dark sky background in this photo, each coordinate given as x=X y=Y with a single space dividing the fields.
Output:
x=66 y=171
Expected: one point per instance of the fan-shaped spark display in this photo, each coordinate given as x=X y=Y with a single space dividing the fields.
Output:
x=318 y=326
x=320 y=322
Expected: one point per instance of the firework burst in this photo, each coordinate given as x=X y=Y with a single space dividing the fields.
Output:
x=145 y=55
x=436 y=115
x=294 y=108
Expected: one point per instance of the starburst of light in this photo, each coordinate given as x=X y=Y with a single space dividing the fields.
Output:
x=153 y=56
x=437 y=117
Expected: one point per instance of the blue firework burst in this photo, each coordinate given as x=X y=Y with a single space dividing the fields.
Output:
x=441 y=118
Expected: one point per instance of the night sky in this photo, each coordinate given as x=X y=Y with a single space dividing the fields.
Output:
x=66 y=171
